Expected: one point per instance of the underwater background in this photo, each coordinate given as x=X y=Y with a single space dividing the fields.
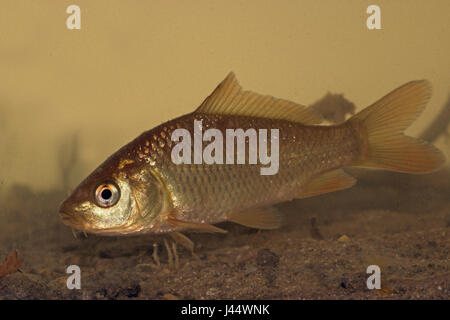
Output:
x=70 y=98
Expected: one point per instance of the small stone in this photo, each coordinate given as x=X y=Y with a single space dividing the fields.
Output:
x=166 y=271
x=212 y=292
x=145 y=267
x=267 y=259
x=343 y=238
x=169 y=296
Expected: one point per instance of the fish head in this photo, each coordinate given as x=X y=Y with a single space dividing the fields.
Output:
x=116 y=200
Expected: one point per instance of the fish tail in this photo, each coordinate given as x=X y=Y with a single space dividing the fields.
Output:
x=381 y=126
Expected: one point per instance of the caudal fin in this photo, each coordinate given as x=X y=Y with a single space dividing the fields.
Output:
x=382 y=124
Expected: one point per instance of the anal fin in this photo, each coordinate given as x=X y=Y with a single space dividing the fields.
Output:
x=259 y=218
x=327 y=182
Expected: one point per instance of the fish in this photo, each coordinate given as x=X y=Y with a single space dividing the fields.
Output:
x=140 y=189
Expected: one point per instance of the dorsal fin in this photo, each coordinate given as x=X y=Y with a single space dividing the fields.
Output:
x=229 y=98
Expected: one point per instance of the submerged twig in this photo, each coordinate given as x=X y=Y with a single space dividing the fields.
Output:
x=439 y=125
x=169 y=253
x=175 y=253
x=155 y=254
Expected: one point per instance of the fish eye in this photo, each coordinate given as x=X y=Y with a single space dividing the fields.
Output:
x=107 y=194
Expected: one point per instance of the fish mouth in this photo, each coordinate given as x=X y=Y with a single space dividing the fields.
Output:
x=75 y=222
x=71 y=220
x=64 y=217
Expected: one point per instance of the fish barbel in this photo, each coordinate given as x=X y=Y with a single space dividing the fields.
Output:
x=139 y=189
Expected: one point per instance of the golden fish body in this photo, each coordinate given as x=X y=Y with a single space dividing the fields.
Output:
x=140 y=189
x=212 y=192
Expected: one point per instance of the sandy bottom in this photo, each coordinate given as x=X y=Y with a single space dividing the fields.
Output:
x=398 y=222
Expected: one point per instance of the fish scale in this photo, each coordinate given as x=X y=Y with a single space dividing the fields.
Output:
x=211 y=192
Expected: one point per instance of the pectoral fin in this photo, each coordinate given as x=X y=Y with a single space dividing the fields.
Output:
x=259 y=218
x=327 y=182
x=193 y=226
